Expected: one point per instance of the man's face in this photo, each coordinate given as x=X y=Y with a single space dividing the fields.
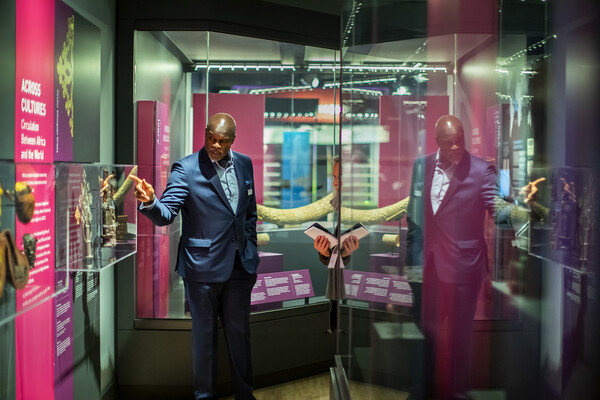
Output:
x=336 y=176
x=452 y=144
x=217 y=145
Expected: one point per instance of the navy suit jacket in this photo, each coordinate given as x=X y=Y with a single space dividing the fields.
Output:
x=211 y=229
x=454 y=236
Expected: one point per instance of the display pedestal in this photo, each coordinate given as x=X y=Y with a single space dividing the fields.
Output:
x=386 y=263
x=405 y=371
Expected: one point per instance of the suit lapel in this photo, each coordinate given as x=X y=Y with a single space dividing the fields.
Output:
x=209 y=172
x=462 y=169
x=242 y=190
x=429 y=169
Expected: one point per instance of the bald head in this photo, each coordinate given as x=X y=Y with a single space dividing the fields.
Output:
x=222 y=124
x=219 y=135
x=450 y=138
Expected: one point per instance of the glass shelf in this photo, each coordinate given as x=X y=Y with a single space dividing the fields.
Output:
x=59 y=215
x=100 y=224
x=27 y=239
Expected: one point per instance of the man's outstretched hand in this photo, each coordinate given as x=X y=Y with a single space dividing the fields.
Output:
x=144 y=191
x=530 y=190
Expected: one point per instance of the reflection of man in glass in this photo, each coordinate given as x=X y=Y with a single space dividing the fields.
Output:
x=335 y=281
x=450 y=193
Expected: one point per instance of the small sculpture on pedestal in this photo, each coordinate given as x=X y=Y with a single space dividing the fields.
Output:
x=85 y=202
x=109 y=214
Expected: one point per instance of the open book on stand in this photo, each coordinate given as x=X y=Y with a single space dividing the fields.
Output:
x=317 y=229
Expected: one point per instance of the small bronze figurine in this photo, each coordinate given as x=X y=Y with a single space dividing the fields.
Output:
x=109 y=215
x=29 y=245
x=85 y=202
x=24 y=201
x=13 y=261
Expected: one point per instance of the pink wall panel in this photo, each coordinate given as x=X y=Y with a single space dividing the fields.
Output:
x=153 y=241
x=248 y=111
x=396 y=157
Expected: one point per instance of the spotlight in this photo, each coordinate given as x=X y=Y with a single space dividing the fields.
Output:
x=315 y=82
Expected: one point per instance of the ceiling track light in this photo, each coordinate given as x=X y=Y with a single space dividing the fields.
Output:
x=418 y=67
x=245 y=67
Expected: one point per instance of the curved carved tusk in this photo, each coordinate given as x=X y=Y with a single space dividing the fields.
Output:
x=351 y=216
x=392 y=212
x=391 y=240
x=294 y=216
x=322 y=207
x=262 y=239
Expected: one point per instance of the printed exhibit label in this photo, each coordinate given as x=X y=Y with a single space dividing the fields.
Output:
x=281 y=286
x=377 y=287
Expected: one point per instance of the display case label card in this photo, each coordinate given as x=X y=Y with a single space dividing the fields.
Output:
x=280 y=286
x=377 y=287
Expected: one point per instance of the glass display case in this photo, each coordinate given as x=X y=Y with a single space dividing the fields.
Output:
x=28 y=276
x=374 y=104
x=56 y=219
x=405 y=322
x=388 y=103
x=99 y=223
x=286 y=114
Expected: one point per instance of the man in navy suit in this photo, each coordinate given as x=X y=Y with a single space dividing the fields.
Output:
x=217 y=259
x=450 y=193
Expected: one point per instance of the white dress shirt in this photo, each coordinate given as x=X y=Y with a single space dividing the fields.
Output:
x=226 y=172
x=441 y=180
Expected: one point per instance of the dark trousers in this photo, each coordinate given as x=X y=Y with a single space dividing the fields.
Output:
x=448 y=310
x=228 y=301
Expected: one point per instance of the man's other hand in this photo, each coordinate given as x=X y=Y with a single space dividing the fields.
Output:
x=349 y=246
x=322 y=246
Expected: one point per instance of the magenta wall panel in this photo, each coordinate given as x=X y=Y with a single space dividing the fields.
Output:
x=34 y=81
x=154 y=162
x=34 y=330
x=248 y=111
